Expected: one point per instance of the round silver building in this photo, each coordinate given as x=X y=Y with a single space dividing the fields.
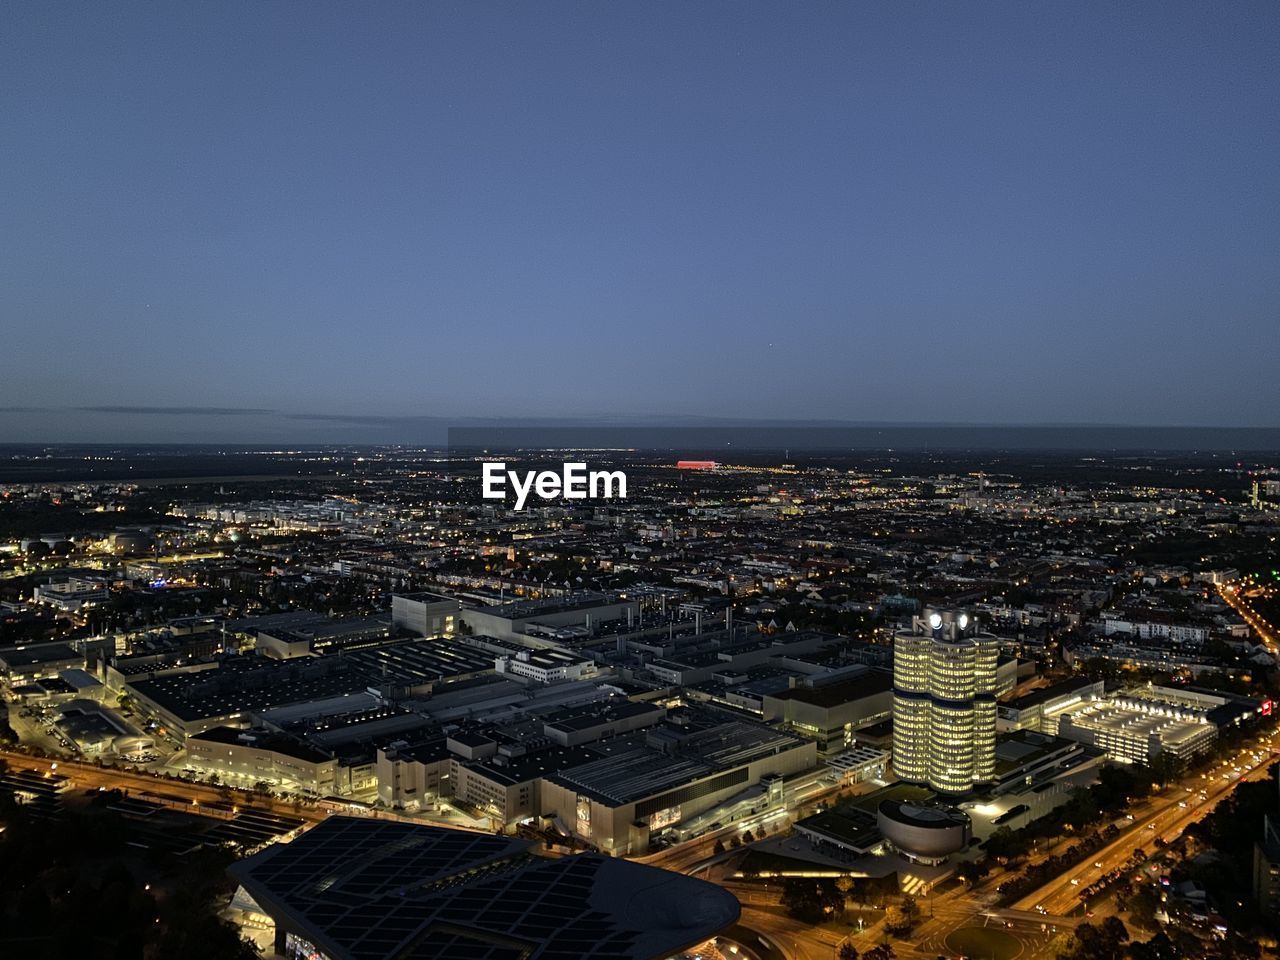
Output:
x=925 y=832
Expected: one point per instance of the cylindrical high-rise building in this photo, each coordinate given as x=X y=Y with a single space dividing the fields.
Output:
x=944 y=703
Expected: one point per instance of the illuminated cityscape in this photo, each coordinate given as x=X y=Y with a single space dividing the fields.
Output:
x=581 y=481
x=854 y=700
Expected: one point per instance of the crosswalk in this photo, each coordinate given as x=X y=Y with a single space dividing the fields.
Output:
x=914 y=886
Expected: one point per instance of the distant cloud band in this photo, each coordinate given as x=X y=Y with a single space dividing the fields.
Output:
x=182 y=411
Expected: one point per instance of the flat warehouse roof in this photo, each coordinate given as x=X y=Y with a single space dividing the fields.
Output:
x=601 y=712
x=842 y=691
x=735 y=743
x=418 y=661
x=633 y=775
x=215 y=693
x=42 y=653
x=1045 y=694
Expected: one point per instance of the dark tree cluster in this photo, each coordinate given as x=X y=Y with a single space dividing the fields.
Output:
x=1110 y=940
x=70 y=889
x=812 y=901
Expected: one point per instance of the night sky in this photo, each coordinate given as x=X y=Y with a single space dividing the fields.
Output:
x=334 y=216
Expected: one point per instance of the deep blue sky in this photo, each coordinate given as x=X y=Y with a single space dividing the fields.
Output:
x=893 y=211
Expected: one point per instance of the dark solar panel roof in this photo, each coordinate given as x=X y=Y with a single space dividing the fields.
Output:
x=842 y=691
x=159 y=823
x=1045 y=694
x=365 y=889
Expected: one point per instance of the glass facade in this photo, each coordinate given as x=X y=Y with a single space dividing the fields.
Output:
x=944 y=704
x=296 y=948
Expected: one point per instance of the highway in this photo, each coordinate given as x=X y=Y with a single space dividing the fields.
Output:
x=1233 y=594
x=86 y=776
x=1170 y=813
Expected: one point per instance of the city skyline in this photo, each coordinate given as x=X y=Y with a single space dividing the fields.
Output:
x=719 y=480
x=340 y=703
x=230 y=427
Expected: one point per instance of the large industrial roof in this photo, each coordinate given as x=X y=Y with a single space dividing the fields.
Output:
x=840 y=692
x=362 y=889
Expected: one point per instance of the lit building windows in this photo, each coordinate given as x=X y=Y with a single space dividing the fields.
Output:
x=944 y=710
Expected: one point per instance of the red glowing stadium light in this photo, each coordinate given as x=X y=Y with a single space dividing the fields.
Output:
x=696 y=464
